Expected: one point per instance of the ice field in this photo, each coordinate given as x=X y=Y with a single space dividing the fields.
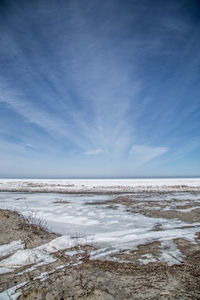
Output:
x=80 y=220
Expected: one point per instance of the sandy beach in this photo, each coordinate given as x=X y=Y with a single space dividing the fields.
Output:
x=151 y=249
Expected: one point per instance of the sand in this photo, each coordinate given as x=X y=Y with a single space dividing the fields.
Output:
x=79 y=276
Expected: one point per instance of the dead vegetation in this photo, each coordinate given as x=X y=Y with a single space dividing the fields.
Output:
x=159 y=209
x=61 y=202
x=112 y=280
x=79 y=276
x=15 y=227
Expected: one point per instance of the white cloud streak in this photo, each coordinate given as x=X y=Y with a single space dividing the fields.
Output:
x=142 y=154
x=94 y=152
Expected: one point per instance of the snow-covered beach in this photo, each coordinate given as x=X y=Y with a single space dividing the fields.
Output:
x=119 y=220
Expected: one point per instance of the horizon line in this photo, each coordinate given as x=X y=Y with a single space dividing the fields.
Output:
x=101 y=178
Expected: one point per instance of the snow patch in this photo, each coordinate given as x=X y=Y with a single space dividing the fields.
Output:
x=10 y=248
x=11 y=293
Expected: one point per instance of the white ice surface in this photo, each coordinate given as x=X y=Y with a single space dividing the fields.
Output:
x=11 y=293
x=39 y=254
x=10 y=248
x=24 y=257
x=99 y=225
x=170 y=253
x=100 y=185
x=147 y=258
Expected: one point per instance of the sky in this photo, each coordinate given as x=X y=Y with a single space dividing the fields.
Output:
x=99 y=89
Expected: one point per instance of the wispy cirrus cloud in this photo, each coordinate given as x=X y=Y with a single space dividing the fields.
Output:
x=142 y=154
x=94 y=152
x=100 y=84
x=106 y=83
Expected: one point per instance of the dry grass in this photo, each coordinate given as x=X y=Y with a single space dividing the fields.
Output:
x=61 y=202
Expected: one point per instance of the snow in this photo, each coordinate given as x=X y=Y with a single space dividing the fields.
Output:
x=102 y=253
x=24 y=257
x=11 y=248
x=170 y=253
x=120 y=240
x=31 y=268
x=188 y=209
x=147 y=258
x=36 y=255
x=109 y=230
x=100 y=185
x=11 y=293
x=74 y=252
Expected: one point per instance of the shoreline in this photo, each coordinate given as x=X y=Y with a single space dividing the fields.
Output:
x=85 y=192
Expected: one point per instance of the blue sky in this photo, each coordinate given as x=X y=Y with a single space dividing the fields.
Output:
x=106 y=88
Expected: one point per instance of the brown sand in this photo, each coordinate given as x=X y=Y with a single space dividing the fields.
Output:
x=103 y=280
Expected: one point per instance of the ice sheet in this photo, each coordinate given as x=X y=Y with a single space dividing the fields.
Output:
x=98 y=225
x=100 y=185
